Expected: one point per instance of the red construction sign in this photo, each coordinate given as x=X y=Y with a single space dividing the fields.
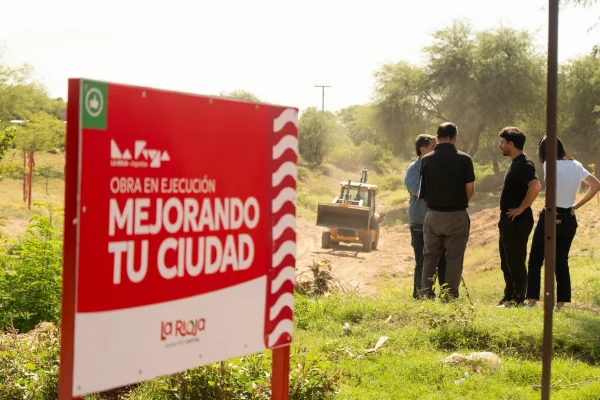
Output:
x=179 y=233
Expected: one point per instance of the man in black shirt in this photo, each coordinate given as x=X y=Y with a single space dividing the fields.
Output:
x=521 y=187
x=447 y=184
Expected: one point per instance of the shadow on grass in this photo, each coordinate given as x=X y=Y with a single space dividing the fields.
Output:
x=575 y=335
x=578 y=336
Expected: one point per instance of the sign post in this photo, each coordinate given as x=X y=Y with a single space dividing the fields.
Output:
x=180 y=234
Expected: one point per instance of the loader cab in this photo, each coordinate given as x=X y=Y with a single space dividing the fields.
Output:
x=351 y=217
x=357 y=194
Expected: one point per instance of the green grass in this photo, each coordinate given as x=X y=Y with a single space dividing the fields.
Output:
x=421 y=334
x=482 y=171
x=585 y=278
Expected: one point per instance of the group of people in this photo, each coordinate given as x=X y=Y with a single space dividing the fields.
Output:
x=441 y=182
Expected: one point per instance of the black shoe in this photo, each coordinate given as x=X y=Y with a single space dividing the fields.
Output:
x=511 y=304
x=503 y=301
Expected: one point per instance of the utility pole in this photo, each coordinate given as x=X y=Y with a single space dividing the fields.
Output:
x=323 y=100
x=550 y=217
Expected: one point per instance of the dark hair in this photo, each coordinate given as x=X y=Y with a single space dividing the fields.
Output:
x=561 y=154
x=447 y=130
x=514 y=135
x=422 y=141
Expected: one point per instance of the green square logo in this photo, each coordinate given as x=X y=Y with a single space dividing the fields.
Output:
x=94 y=103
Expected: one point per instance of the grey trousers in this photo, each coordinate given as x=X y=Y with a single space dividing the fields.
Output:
x=449 y=230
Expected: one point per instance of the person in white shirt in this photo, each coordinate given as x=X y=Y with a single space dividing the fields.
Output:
x=569 y=175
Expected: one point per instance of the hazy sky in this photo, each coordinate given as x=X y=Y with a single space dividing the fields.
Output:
x=278 y=50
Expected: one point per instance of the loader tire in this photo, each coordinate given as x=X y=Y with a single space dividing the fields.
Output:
x=367 y=242
x=375 y=225
x=326 y=240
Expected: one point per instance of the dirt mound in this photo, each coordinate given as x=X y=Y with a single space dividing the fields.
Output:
x=484 y=227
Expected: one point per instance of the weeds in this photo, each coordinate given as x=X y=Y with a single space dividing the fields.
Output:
x=30 y=273
x=29 y=363
x=246 y=378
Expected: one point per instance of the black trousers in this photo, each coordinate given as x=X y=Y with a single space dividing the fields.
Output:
x=418 y=243
x=565 y=232
x=514 y=236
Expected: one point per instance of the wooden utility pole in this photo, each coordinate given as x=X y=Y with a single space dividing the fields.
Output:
x=323 y=96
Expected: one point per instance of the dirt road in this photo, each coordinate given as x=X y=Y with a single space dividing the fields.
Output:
x=393 y=260
x=350 y=263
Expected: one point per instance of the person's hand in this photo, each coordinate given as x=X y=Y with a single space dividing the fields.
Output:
x=514 y=212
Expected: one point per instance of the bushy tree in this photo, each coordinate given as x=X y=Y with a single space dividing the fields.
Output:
x=315 y=133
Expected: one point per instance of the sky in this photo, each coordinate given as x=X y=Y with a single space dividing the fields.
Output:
x=277 y=49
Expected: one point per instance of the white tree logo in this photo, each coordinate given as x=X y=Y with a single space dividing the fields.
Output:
x=94 y=102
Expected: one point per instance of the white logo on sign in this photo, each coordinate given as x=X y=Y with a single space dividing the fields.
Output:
x=142 y=157
x=94 y=102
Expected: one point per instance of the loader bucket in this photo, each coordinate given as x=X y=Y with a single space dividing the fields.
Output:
x=342 y=217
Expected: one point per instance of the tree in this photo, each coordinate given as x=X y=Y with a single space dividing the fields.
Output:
x=581 y=3
x=359 y=123
x=579 y=91
x=20 y=95
x=480 y=80
x=314 y=132
x=6 y=138
x=55 y=107
x=241 y=95
x=484 y=80
x=39 y=133
x=402 y=105
x=584 y=3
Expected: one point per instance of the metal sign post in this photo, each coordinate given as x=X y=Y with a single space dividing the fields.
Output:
x=550 y=221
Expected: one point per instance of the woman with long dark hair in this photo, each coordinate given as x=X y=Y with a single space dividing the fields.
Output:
x=569 y=175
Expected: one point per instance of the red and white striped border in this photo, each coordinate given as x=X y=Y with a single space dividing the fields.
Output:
x=281 y=276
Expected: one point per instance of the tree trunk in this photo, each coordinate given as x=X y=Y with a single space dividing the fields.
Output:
x=496 y=167
x=24 y=176
x=30 y=179
x=475 y=143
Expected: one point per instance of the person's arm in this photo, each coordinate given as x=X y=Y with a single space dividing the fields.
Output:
x=411 y=180
x=528 y=176
x=469 y=178
x=594 y=185
x=470 y=189
x=533 y=190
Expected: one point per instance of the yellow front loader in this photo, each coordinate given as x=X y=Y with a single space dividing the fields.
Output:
x=351 y=216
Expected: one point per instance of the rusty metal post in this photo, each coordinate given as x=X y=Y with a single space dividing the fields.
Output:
x=550 y=215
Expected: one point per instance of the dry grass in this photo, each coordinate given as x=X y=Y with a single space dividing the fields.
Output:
x=14 y=214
